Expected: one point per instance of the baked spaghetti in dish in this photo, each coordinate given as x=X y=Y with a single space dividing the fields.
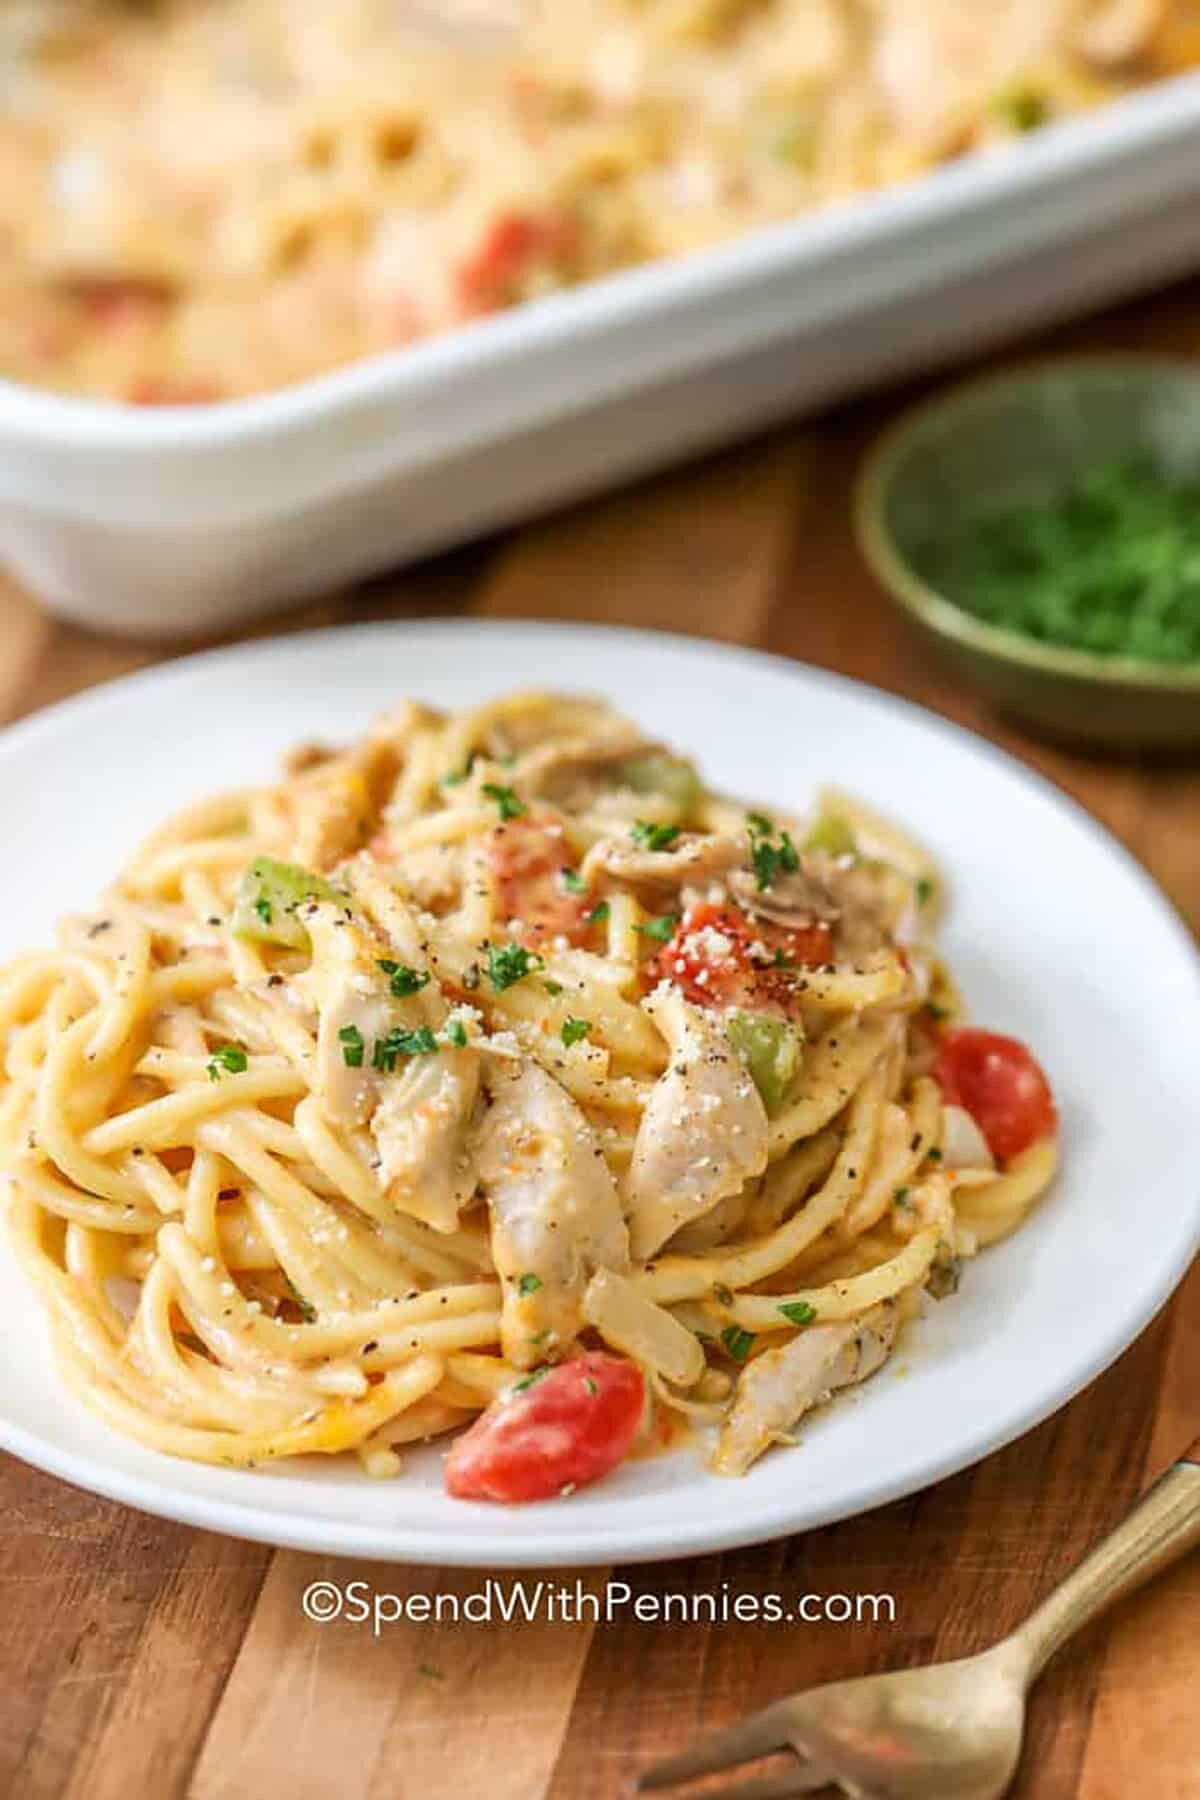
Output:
x=495 y=1072
x=204 y=198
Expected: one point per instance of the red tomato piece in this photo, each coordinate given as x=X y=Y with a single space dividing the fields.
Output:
x=721 y=957
x=153 y=392
x=516 y=245
x=568 y=1427
x=120 y=305
x=530 y=860
x=1001 y=1085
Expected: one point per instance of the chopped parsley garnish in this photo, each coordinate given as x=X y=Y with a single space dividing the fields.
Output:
x=934 y=1155
x=722 y=1294
x=529 y=1381
x=738 y=1342
x=509 y=963
x=456 y=777
x=653 y=837
x=799 y=1312
x=574 y=1030
x=428 y=1670
x=572 y=880
x=553 y=988
x=1023 y=107
x=1106 y=564
x=598 y=914
x=388 y=1050
x=402 y=979
x=351 y=1040
x=507 y=803
x=591 y=1386
x=307 y=1310
x=529 y=1283
x=900 y=1198
x=227 y=1058
x=924 y=891
x=937 y=1013
x=264 y=909
x=661 y=929
x=456 y=1033
x=770 y=858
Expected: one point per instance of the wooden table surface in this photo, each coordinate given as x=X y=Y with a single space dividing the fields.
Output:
x=144 y=1658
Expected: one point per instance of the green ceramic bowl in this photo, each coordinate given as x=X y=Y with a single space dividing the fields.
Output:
x=1017 y=436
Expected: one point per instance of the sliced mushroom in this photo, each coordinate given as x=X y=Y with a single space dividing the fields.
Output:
x=694 y=860
x=555 y=1214
x=777 y=1388
x=568 y=772
x=795 y=899
x=703 y=1133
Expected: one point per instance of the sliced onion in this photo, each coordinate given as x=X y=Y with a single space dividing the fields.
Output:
x=963 y=1144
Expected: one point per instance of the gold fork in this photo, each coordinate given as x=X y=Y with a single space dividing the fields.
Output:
x=953 y=1731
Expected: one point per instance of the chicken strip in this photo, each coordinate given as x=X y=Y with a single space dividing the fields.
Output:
x=777 y=1388
x=421 y=1127
x=703 y=1133
x=555 y=1214
x=418 y=1098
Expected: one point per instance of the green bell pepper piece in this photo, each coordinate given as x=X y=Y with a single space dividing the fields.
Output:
x=770 y=1049
x=268 y=897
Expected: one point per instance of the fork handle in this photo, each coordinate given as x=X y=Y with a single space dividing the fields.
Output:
x=1163 y=1526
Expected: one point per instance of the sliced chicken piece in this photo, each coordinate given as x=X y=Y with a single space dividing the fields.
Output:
x=717 y=1226
x=777 y=1388
x=419 y=1110
x=694 y=860
x=422 y=1128
x=347 y=989
x=432 y=876
x=1118 y=31
x=337 y=801
x=703 y=1134
x=555 y=1214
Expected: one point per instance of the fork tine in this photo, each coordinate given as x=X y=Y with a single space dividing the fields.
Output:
x=758 y=1735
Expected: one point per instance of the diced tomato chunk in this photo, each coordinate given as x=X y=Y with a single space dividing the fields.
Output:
x=1001 y=1085
x=530 y=863
x=119 y=304
x=154 y=392
x=721 y=957
x=515 y=245
x=565 y=1428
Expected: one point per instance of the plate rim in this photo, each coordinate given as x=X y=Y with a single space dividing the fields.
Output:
x=564 y=1545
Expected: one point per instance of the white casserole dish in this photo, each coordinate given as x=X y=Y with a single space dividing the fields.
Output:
x=180 y=519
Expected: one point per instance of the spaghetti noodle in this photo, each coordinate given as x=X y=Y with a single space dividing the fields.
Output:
x=492 y=1046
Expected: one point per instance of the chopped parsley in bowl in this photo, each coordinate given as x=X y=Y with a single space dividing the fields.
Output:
x=1041 y=529
x=1109 y=563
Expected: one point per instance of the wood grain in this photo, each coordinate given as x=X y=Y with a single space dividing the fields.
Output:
x=138 y=1657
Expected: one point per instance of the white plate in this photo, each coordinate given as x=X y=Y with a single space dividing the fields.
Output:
x=1057 y=935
